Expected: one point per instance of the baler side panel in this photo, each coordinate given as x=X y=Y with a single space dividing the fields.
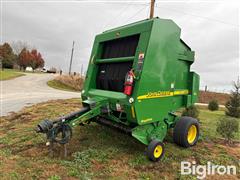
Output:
x=194 y=87
x=161 y=73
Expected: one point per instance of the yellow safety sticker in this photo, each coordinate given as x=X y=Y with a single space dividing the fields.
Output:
x=180 y=92
x=133 y=112
x=146 y=120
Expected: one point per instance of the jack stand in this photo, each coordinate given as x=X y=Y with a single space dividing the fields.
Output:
x=50 y=148
x=65 y=150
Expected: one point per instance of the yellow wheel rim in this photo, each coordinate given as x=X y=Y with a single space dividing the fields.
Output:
x=158 y=151
x=192 y=134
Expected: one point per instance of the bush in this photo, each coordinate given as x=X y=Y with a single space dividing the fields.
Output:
x=213 y=105
x=227 y=127
x=191 y=111
x=233 y=105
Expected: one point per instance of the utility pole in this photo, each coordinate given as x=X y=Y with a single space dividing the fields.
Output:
x=205 y=88
x=70 y=66
x=152 y=9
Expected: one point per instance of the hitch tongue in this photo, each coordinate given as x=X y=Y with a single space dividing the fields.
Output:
x=46 y=125
x=60 y=129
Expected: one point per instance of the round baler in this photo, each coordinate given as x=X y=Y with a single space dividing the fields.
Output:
x=138 y=77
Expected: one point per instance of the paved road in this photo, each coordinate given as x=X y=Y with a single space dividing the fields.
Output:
x=28 y=90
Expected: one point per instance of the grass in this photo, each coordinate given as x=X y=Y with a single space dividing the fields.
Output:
x=98 y=152
x=7 y=74
x=58 y=85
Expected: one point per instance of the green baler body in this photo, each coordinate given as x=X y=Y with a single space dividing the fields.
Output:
x=163 y=81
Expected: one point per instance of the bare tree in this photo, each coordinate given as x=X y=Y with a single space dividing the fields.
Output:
x=18 y=46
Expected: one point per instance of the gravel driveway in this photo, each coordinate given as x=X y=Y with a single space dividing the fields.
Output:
x=27 y=90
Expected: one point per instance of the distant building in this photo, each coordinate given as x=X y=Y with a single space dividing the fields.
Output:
x=30 y=69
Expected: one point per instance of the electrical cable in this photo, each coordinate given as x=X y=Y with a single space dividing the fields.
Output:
x=64 y=129
x=124 y=9
x=119 y=14
x=194 y=15
x=136 y=13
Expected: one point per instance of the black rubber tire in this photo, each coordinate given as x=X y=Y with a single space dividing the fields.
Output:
x=180 y=131
x=151 y=148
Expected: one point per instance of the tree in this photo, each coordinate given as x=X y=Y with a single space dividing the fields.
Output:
x=40 y=61
x=23 y=59
x=37 y=60
x=8 y=57
x=18 y=46
x=233 y=105
x=213 y=105
x=33 y=59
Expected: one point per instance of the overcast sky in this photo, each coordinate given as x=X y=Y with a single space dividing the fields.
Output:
x=211 y=29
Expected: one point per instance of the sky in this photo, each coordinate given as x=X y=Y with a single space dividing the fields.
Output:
x=210 y=28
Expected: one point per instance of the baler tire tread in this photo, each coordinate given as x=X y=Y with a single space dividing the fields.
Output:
x=181 y=130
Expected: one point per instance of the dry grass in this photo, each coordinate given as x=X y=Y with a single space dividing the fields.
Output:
x=205 y=97
x=75 y=82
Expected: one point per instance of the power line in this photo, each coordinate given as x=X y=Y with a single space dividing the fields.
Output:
x=136 y=13
x=203 y=17
x=148 y=11
x=124 y=9
x=119 y=14
x=139 y=3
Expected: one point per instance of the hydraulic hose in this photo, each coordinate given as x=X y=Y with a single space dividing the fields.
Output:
x=61 y=134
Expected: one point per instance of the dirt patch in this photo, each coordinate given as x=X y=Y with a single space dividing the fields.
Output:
x=235 y=151
x=224 y=177
x=120 y=167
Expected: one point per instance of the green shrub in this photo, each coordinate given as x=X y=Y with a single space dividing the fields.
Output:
x=213 y=105
x=191 y=111
x=233 y=105
x=227 y=127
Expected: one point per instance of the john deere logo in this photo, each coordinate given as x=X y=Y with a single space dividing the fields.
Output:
x=159 y=94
